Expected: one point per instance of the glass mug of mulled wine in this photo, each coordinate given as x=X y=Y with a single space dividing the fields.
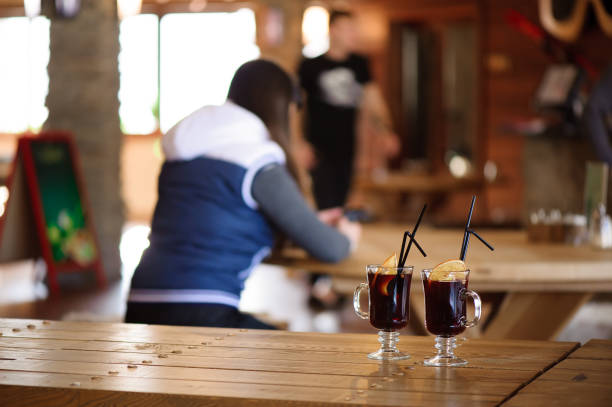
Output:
x=446 y=294
x=389 y=305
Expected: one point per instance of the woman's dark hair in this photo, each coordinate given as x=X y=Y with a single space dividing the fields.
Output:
x=266 y=90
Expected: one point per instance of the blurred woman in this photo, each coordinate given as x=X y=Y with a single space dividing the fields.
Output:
x=226 y=190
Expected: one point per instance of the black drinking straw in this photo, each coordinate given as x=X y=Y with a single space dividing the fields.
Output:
x=407 y=234
x=467 y=232
x=404 y=255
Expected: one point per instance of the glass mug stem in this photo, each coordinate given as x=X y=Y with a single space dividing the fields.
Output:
x=388 y=342
x=446 y=356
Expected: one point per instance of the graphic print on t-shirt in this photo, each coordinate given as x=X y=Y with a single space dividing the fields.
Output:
x=339 y=87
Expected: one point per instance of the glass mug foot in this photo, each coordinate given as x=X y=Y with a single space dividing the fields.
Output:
x=445 y=356
x=388 y=347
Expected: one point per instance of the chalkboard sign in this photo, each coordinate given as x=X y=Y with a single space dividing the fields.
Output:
x=46 y=178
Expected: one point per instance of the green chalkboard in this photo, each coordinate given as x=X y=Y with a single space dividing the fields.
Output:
x=47 y=213
x=65 y=222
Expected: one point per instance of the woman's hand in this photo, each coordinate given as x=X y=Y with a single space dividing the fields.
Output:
x=335 y=217
x=352 y=230
x=331 y=216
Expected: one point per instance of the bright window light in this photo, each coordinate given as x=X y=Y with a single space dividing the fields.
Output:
x=315 y=31
x=24 y=83
x=134 y=241
x=138 y=104
x=199 y=54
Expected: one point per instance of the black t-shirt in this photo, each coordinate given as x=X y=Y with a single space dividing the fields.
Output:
x=334 y=90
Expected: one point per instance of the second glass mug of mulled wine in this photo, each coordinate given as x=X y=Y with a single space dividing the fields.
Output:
x=389 y=306
x=445 y=312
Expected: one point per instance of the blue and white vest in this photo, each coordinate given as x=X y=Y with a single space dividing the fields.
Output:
x=207 y=234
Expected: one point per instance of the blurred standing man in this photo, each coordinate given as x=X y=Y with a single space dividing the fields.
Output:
x=338 y=85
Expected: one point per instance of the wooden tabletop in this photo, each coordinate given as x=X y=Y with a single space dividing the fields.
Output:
x=515 y=265
x=543 y=284
x=583 y=379
x=71 y=363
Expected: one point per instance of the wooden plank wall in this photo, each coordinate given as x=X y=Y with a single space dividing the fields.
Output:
x=506 y=93
x=509 y=94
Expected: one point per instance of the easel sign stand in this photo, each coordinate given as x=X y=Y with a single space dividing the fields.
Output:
x=47 y=212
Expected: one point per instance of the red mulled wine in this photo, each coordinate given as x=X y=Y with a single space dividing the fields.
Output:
x=445 y=309
x=389 y=300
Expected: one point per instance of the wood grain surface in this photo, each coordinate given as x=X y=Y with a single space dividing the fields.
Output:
x=583 y=379
x=515 y=265
x=72 y=363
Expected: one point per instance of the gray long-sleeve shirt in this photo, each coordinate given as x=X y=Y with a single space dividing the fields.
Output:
x=280 y=200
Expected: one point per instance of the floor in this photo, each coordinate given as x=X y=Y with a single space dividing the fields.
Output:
x=272 y=291
x=269 y=291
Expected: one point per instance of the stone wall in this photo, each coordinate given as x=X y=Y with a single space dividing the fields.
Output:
x=83 y=86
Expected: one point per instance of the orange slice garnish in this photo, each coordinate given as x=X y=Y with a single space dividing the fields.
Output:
x=448 y=271
x=391 y=261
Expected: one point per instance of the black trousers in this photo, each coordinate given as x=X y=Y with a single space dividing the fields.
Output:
x=191 y=314
x=331 y=179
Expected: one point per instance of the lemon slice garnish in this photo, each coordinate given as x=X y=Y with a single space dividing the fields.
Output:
x=448 y=271
x=391 y=261
x=389 y=265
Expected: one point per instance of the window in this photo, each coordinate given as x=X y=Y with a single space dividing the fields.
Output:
x=315 y=31
x=24 y=83
x=138 y=91
x=198 y=55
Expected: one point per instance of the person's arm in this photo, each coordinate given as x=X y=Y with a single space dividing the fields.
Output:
x=302 y=149
x=374 y=105
x=279 y=199
x=375 y=110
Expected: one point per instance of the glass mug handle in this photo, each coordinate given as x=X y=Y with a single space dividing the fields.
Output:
x=477 y=308
x=357 y=301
